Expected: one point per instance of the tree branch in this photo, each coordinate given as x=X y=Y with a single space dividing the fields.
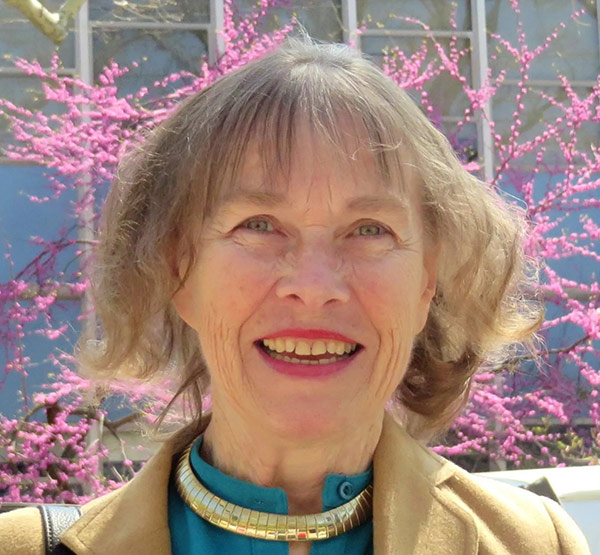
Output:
x=515 y=360
x=52 y=24
x=113 y=426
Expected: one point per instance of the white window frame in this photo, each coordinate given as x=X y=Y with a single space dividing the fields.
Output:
x=479 y=65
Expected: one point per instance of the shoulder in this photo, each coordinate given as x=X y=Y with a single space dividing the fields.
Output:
x=452 y=511
x=21 y=532
x=514 y=515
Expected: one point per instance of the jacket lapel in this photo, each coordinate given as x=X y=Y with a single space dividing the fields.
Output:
x=412 y=515
x=131 y=520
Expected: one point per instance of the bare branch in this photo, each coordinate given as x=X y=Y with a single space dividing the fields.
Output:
x=113 y=426
x=514 y=361
x=52 y=24
x=571 y=292
x=63 y=292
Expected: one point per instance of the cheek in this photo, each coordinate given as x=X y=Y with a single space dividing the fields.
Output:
x=388 y=292
x=239 y=281
x=233 y=289
x=225 y=286
x=233 y=286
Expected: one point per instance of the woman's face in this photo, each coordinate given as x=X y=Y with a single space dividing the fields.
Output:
x=327 y=250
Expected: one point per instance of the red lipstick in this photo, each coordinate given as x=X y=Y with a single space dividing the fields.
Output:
x=307 y=371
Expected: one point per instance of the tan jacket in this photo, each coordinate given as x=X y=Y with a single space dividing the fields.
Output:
x=423 y=504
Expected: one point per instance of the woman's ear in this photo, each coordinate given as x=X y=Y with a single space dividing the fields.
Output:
x=430 y=264
x=431 y=257
x=182 y=302
x=174 y=257
x=180 y=266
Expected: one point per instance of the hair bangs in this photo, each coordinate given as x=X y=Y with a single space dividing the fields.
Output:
x=304 y=99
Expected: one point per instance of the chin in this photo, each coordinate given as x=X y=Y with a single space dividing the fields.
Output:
x=309 y=422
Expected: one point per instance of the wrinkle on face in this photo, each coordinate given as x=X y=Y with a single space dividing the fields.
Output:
x=378 y=286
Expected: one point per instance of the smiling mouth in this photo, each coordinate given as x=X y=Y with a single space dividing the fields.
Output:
x=293 y=357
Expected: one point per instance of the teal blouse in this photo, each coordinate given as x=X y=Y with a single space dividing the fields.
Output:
x=191 y=534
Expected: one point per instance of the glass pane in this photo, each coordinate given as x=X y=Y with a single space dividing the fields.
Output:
x=445 y=93
x=20 y=39
x=159 y=54
x=322 y=19
x=10 y=13
x=392 y=14
x=463 y=139
x=26 y=92
x=41 y=369
x=533 y=119
x=20 y=218
x=574 y=53
x=156 y=11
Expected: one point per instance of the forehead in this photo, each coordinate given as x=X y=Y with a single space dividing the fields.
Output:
x=314 y=168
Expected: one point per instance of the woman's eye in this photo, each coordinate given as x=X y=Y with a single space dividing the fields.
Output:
x=370 y=230
x=258 y=224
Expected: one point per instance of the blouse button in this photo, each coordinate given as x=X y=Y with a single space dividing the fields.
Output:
x=346 y=491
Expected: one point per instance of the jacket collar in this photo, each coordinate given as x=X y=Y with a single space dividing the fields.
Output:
x=411 y=513
x=131 y=520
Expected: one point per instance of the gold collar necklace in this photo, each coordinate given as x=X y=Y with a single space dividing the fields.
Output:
x=269 y=526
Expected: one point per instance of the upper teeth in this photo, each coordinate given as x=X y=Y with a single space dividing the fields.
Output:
x=308 y=347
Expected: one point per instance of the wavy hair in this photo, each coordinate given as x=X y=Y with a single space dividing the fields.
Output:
x=163 y=190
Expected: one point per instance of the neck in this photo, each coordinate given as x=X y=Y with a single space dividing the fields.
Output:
x=247 y=451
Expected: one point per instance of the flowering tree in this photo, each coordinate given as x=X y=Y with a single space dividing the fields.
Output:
x=517 y=415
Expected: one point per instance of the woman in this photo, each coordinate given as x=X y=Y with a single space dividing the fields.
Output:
x=301 y=238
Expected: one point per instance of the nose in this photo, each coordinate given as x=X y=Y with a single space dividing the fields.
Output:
x=314 y=277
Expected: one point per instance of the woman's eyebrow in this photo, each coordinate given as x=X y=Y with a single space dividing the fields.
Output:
x=271 y=199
